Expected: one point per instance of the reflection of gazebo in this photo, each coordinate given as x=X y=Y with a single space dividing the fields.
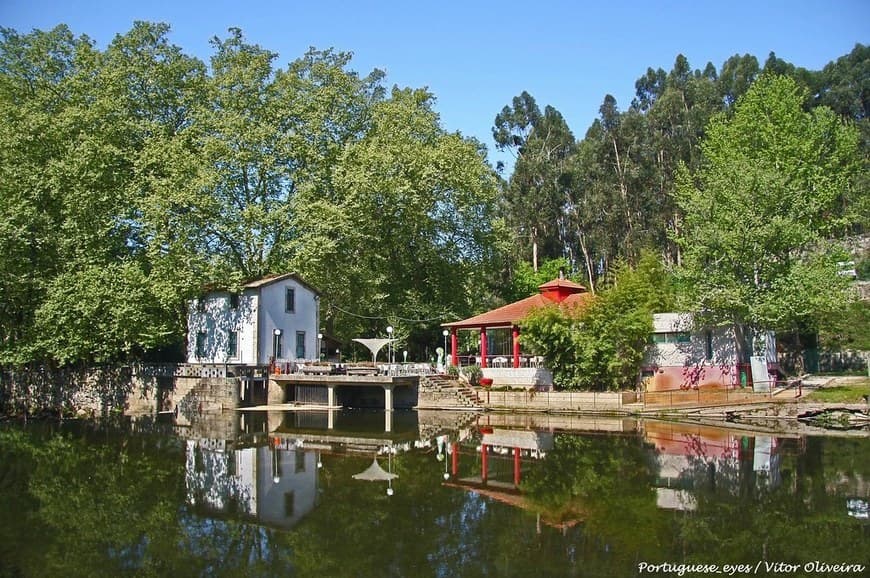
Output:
x=557 y=291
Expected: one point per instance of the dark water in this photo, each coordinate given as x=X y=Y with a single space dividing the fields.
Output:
x=259 y=494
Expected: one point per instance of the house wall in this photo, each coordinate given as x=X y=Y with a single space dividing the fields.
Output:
x=260 y=311
x=707 y=359
x=305 y=318
x=702 y=358
x=213 y=315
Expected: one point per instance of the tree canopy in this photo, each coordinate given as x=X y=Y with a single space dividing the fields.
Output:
x=760 y=213
x=135 y=176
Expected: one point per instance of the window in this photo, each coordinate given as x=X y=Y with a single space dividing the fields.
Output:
x=234 y=300
x=200 y=344
x=671 y=337
x=233 y=344
x=288 y=504
x=708 y=345
x=290 y=300
x=300 y=345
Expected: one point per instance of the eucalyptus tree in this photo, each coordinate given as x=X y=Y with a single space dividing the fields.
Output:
x=536 y=193
x=763 y=208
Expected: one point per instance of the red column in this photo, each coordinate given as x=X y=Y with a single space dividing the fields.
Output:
x=483 y=346
x=484 y=466
x=454 y=457
x=516 y=337
x=453 y=347
x=516 y=466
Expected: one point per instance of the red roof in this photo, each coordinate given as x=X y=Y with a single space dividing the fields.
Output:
x=559 y=291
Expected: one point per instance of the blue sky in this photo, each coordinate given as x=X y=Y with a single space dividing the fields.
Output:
x=475 y=56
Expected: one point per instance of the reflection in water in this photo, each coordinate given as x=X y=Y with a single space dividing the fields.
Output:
x=273 y=484
x=259 y=493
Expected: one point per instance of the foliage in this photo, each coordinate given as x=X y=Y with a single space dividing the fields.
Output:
x=473 y=373
x=759 y=213
x=132 y=177
x=526 y=280
x=848 y=328
x=534 y=195
x=599 y=345
x=611 y=194
x=418 y=201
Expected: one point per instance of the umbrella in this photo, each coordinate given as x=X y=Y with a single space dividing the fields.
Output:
x=375 y=473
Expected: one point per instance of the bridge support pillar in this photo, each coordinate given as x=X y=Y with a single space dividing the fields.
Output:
x=330 y=395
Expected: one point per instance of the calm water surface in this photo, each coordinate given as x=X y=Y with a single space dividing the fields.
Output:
x=360 y=493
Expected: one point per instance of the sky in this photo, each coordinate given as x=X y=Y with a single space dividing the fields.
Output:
x=475 y=56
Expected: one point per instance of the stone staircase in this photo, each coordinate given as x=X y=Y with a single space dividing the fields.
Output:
x=443 y=391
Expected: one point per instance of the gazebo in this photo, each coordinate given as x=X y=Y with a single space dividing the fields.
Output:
x=558 y=291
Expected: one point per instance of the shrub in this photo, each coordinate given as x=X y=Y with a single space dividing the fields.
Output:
x=473 y=373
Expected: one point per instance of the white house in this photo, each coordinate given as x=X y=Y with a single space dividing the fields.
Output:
x=274 y=318
x=681 y=356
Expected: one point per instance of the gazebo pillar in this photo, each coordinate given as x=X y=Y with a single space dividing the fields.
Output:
x=454 y=346
x=483 y=347
x=515 y=333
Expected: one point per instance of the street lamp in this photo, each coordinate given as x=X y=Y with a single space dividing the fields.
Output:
x=275 y=345
x=445 y=333
x=319 y=339
x=390 y=349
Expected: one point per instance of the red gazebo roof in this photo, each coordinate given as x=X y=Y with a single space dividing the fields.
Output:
x=560 y=291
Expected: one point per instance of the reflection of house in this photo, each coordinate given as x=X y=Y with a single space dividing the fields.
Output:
x=275 y=317
x=274 y=485
x=691 y=458
x=681 y=356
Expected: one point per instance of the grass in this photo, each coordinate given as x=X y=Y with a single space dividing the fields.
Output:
x=844 y=393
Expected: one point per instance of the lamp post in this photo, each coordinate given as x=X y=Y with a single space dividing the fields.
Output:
x=445 y=333
x=319 y=339
x=275 y=343
x=390 y=349
x=446 y=474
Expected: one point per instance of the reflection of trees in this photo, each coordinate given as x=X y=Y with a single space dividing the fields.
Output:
x=107 y=503
x=799 y=521
x=607 y=482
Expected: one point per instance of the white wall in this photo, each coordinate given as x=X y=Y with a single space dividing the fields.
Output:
x=260 y=311
x=693 y=352
x=216 y=318
x=306 y=317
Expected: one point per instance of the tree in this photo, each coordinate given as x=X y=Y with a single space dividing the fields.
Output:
x=599 y=345
x=89 y=196
x=404 y=231
x=536 y=192
x=763 y=209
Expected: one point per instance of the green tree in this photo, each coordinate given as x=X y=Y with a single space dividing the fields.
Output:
x=91 y=188
x=535 y=194
x=599 y=345
x=404 y=231
x=759 y=214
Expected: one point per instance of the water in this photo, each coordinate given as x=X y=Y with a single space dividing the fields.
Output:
x=274 y=494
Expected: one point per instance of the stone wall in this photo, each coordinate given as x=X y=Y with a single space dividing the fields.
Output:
x=557 y=400
x=95 y=390
x=99 y=391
